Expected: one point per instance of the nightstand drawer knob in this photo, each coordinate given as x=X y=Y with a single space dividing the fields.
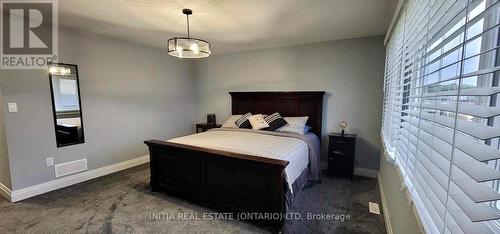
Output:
x=340 y=142
x=337 y=152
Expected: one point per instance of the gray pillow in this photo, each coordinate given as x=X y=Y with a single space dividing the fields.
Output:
x=295 y=125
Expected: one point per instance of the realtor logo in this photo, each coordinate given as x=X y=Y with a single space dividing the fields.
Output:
x=29 y=34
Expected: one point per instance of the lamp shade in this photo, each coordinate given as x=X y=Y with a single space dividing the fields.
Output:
x=183 y=47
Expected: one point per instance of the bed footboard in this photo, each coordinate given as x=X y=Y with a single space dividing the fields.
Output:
x=233 y=182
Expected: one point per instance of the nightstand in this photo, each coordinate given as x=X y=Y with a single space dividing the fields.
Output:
x=205 y=127
x=341 y=151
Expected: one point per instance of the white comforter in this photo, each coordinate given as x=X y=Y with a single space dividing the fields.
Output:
x=293 y=150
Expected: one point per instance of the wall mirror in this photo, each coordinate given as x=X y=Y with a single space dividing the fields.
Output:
x=66 y=104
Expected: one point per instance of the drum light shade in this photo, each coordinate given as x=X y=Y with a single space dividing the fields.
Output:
x=183 y=47
x=188 y=47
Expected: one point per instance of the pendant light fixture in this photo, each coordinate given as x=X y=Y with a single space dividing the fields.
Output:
x=188 y=47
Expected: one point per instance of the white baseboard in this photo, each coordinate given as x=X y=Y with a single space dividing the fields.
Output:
x=5 y=192
x=387 y=219
x=24 y=193
x=365 y=172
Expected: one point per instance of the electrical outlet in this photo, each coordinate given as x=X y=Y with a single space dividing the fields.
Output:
x=12 y=107
x=50 y=162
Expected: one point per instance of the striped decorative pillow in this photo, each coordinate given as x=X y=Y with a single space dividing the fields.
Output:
x=295 y=125
x=275 y=121
x=243 y=121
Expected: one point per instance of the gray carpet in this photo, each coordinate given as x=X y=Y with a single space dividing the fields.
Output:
x=122 y=203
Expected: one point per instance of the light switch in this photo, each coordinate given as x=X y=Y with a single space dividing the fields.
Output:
x=50 y=162
x=12 y=107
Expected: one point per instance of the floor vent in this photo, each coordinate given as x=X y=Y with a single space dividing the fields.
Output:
x=374 y=208
x=69 y=168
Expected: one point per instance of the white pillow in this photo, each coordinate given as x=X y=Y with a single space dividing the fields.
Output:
x=295 y=125
x=230 y=122
x=258 y=122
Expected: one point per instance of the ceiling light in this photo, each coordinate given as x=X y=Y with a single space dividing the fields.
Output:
x=188 y=47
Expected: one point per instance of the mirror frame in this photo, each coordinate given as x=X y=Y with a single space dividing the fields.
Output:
x=54 y=104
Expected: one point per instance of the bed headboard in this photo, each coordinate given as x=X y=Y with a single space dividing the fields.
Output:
x=288 y=104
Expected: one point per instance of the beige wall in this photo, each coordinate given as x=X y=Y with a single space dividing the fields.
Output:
x=350 y=71
x=129 y=93
x=401 y=215
x=4 y=157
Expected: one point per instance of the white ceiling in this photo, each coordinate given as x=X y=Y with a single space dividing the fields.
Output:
x=230 y=25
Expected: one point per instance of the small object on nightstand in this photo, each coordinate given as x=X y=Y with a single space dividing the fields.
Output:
x=341 y=152
x=343 y=126
x=211 y=119
x=205 y=127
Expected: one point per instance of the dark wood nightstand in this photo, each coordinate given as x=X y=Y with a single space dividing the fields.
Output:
x=205 y=127
x=341 y=151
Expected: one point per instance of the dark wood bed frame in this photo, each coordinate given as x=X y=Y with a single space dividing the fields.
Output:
x=231 y=181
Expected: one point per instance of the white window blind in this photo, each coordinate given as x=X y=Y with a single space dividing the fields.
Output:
x=65 y=93
x=441 y=117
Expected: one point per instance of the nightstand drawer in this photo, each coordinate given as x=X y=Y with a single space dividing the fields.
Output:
x=341 y=156
x=337 y=154
x=340 y=142
x=332 y=155
x=344 y=148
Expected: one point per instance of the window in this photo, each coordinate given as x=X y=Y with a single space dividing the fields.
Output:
x=65 y=94
x=441 y=117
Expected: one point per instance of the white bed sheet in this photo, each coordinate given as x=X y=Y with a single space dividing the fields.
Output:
x=293 y=150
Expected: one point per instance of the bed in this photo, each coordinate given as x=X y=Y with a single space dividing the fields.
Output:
x=237 y=175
